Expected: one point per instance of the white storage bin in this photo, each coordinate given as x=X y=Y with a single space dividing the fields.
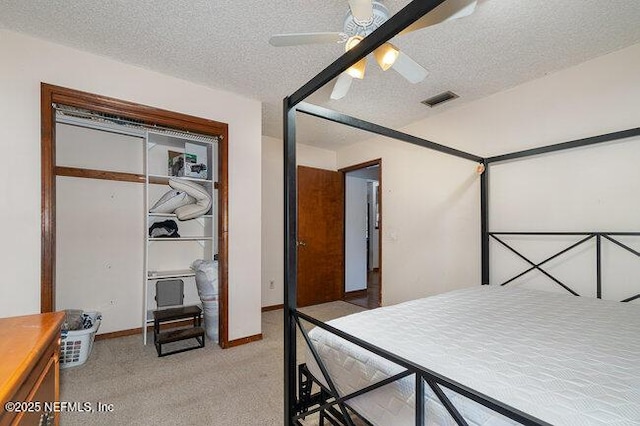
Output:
x=210 y=310
x=76 y=345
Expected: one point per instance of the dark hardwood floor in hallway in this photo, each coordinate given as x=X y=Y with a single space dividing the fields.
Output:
x=371 y=297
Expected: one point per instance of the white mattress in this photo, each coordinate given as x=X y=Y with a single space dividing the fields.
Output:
x=566 y=360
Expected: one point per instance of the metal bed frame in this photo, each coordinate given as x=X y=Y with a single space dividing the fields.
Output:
x=331 y=406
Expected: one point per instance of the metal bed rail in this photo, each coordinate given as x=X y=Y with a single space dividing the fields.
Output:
x=588 y=236
x=422 y=376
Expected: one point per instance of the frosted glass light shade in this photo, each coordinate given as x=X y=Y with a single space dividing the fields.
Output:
x=357 y=70
x=386 y=55
x=352 y=42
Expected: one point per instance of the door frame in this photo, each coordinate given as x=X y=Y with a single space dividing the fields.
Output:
x=344 y=170
x=50 y=95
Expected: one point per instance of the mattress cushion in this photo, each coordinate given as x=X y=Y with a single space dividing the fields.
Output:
x=563 y=359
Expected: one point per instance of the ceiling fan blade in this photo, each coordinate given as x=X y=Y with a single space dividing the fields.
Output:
x=343 y=83
x=409 y=69
x=449 y=10
x=280 y=40
x=362 y=10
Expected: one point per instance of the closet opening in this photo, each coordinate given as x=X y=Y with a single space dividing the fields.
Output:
x=161 y=132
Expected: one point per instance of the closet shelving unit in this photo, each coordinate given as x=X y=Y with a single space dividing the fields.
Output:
x=170 y=258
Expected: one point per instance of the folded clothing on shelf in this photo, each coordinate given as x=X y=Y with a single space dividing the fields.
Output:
x=165 y=229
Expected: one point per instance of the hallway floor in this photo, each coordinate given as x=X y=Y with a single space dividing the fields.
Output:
x=372 y=298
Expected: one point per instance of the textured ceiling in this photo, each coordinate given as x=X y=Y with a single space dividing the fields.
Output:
x=224 y=44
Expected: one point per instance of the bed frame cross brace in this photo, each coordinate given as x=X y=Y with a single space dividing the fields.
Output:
x=589 y=235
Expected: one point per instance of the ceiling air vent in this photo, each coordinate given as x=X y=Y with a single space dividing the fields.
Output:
x=439 y=99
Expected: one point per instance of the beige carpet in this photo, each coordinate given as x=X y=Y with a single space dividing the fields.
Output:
x=210 y=386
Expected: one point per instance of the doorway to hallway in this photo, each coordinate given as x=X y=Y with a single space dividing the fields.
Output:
x=362 y=234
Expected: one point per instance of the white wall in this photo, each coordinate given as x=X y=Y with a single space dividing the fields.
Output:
x=272 y=222
x=598 y=96
x=589 y=189
x=313 y=156
x=273 y=213
x=430 y=219
x=430 y=209
x=355 y=237
x=371 y=173
x=28 y=61
x=95 y=220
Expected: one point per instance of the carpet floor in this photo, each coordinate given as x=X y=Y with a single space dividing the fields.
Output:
x=209 y=386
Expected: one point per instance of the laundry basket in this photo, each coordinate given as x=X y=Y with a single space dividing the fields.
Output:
x=76 y=345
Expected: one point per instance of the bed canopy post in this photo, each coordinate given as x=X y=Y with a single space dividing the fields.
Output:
x=394 y=25
x=290 y=259
x=484 y=221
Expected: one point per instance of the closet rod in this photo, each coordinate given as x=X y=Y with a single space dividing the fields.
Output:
x=95 y=125
x=123 y=126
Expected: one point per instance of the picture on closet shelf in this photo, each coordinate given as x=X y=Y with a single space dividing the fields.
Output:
x=176 y=163
x=195 y=160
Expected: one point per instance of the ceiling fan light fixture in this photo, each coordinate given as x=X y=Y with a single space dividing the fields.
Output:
x=386 y=55
x=357 y=70
x=352 y=42
x=365 y=17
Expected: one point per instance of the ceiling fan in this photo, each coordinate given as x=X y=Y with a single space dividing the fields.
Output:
x=363 y=17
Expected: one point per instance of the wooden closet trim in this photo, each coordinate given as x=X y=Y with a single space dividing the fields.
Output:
x=99 y=174
x=50 y=94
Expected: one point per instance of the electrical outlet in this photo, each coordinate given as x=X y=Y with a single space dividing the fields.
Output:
x=272 y=284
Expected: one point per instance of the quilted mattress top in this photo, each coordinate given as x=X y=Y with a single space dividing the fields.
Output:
x=563 y=359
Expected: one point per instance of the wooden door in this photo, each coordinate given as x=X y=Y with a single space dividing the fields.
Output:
x=320 y=236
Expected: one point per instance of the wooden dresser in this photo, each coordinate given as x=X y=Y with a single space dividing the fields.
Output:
x=29 y=368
